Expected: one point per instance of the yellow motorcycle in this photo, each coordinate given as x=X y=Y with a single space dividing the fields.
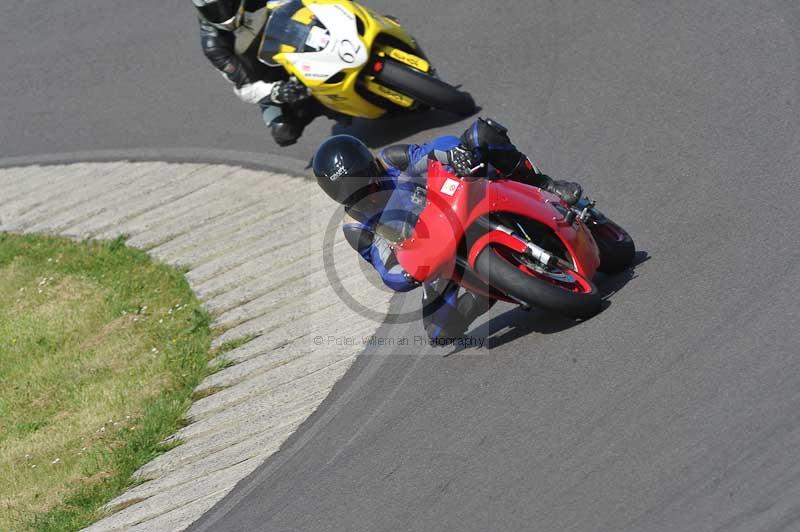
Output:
x=355 y=61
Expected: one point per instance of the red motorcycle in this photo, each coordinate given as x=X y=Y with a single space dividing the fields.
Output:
x=512 y=242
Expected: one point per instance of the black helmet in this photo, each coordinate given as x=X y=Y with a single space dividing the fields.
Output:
x=222 y=14
x=345 y=169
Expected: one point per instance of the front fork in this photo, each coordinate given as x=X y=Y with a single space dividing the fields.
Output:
x=496 y=232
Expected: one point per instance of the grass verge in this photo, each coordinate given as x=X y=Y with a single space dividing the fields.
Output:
x=100 y=349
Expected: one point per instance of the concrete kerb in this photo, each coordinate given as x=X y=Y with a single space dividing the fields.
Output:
x=279 y=389
x=253 y=161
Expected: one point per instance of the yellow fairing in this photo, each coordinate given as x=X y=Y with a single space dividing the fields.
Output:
x=342 y=95
x=405 y=57
x=393 y=96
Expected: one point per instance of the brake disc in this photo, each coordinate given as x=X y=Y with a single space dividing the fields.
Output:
x=553 y=273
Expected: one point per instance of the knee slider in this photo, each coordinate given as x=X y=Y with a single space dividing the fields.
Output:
x=358 y=237
x=284 y=133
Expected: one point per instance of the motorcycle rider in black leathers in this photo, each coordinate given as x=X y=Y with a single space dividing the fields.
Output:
x=370 y=187
x=230 y=34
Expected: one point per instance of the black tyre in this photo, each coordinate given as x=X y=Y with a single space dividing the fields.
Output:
x=425 y=88
x=617 y=250
x=564 y=292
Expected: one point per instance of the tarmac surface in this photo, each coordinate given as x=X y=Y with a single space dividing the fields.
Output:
x=677 y=408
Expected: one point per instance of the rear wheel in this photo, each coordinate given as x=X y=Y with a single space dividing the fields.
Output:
x=563 y=291
x=425 y=88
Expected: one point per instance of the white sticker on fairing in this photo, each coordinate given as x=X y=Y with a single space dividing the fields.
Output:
x=318 y=38
x=450 y=186
x=343 y=47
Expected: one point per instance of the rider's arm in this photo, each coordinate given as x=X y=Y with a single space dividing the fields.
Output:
x=395 y=158
x=218 y=48
x=490 y=143
x=412 y=159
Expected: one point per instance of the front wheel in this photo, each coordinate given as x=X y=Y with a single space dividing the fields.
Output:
x=425 y=88
x=564 y=292
x=617 y=250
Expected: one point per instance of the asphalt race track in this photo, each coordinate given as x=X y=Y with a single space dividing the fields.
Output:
x=675 y=409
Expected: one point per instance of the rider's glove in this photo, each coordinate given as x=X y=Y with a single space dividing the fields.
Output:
x=289 y=91
x=568 y=191
x=256 y=92
x=461 y=160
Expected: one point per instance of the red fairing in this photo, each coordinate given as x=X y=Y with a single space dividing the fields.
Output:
x=431 y=251
x=454 y=204
x=537 y=204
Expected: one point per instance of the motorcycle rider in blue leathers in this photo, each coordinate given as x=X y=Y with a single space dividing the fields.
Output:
x=377 y=192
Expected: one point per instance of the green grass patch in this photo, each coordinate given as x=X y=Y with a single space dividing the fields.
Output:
x=230 y=345
x=100 y=349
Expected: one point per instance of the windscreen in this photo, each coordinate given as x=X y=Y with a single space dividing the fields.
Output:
x=403 y=209
x=281 y=29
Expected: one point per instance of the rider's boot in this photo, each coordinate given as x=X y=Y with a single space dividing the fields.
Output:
x=526 y=172
x=568 y=191
x=445 y=315
x=471 y=306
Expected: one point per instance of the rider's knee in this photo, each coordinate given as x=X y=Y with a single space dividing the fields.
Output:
x=285 y=133
x=270 y=112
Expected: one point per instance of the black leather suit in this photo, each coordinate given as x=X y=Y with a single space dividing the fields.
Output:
x=286 y=121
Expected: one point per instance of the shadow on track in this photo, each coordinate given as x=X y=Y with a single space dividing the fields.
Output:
x=386 y=131
x=517 y=323
x=608 y=285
